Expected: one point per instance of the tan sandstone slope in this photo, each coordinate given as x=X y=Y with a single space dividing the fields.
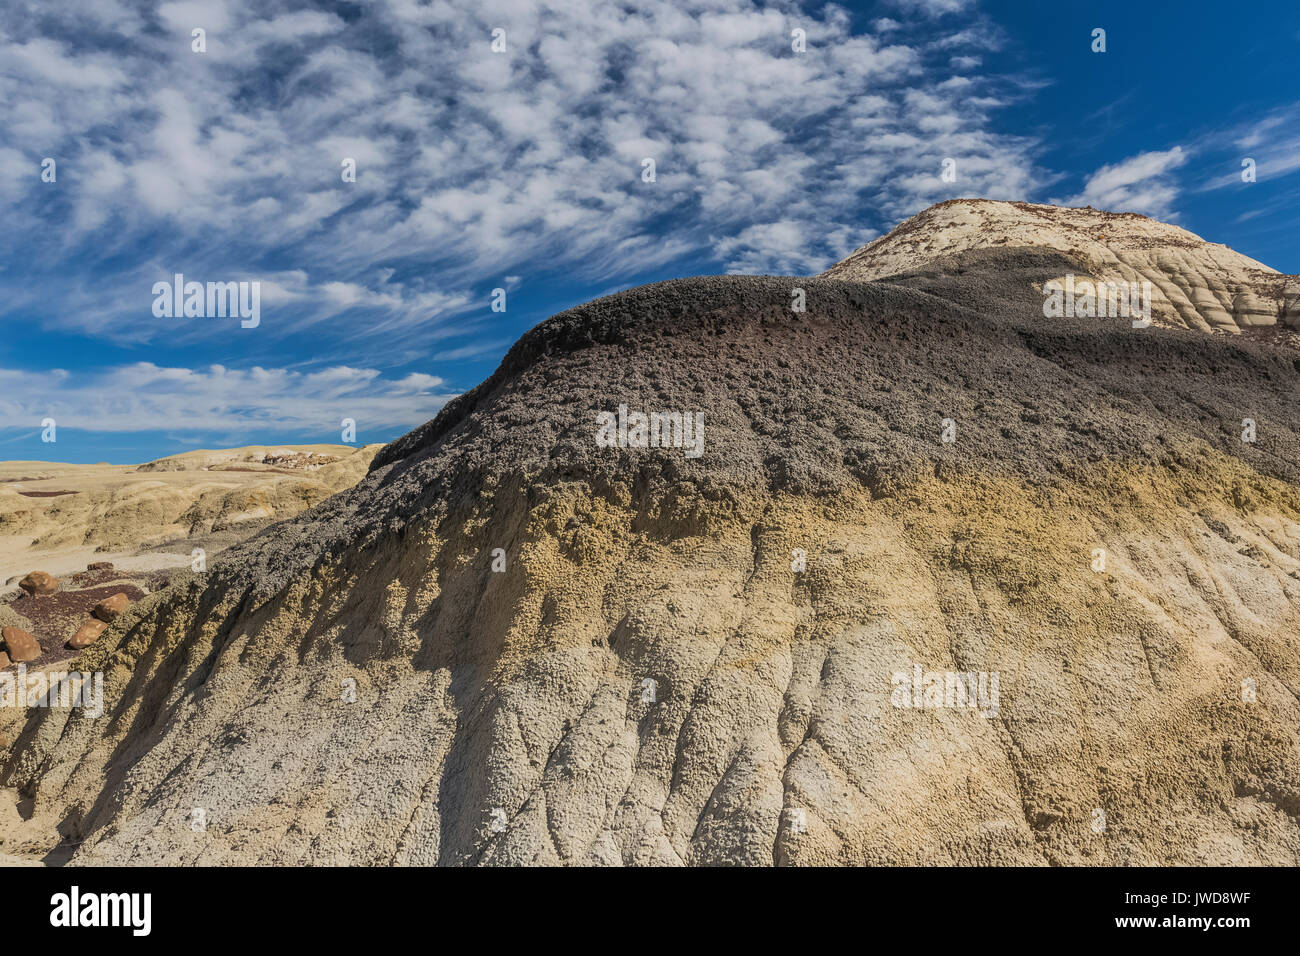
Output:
x=1196 y=284
x=509 y=643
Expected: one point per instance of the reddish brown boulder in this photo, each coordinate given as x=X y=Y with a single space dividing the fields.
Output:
x=109 y=608
x=4 y=660
x=87 y=634
x=38 y=582
x=20 y=645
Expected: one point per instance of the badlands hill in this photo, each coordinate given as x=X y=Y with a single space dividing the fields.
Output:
x=511 y=643
x=1196 y=284
x=289 y=459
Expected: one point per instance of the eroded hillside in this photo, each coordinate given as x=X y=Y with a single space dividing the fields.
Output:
x=509 y=644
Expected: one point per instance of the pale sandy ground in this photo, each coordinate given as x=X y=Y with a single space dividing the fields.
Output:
x=16 y=559
x=144 y=517
x=15 y=832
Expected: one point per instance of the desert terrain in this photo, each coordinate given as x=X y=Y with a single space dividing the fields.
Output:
x=59 y=517
x=507 y=643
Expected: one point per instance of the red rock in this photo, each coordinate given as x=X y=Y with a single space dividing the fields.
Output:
x=38 y=582
x=20 y=645
x=111 y=607
x=87 y=634
x=4 y=660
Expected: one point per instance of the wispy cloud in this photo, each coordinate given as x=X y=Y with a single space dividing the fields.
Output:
x=147 y=397
x=1143 y=183
x=470 y=163
x=1270 y=143
x=932 y=8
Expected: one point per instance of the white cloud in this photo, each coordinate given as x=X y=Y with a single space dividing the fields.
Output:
x=147 y=397
x=184 y=15
x=1141 y=183
x=783 y=248
x=932 y=8
x=1270 y=142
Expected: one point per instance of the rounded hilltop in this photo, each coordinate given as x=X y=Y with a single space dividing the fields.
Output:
x=1196 y=284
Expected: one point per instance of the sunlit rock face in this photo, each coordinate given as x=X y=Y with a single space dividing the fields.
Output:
x=1196 y=284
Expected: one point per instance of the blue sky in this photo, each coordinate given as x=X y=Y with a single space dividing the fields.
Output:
x=522 y=170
